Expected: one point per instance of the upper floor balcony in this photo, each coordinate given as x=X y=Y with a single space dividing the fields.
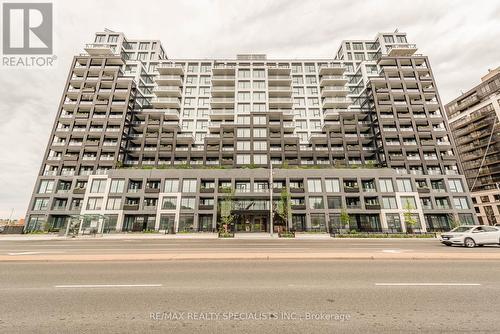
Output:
x=100 y=49
x=332 y=69
x=171 y=91
x=173 y=80
x=170 y=69
x=333 y=80
x=166 y=102
x=405 y=49
x=336 y=102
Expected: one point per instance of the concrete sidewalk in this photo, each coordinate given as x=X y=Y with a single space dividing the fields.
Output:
x=249 y=256
x=156 y=236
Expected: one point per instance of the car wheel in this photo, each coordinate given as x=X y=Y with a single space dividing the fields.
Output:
x=468 y=242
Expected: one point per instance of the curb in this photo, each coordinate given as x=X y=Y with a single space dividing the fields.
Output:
x=248 y=256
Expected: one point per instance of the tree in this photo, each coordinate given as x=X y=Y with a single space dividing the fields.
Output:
x=283 y=207
x=409 y=217
x=345 y=220
x=226 y=208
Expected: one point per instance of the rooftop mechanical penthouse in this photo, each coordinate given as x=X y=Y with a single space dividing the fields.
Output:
x=145 y=142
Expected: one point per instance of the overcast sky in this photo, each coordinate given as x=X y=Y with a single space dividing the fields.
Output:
x=461 y=38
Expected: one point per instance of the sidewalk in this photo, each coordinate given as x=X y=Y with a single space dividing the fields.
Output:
x=113 y=236
x=155 y=236
x=205 y=256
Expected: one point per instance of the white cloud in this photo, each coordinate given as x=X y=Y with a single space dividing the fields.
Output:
x=460 y=39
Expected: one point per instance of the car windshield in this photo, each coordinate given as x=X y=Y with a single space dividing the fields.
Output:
x=461 y=229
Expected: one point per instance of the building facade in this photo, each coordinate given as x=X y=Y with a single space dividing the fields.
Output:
x=144 y=142
x=474 y=121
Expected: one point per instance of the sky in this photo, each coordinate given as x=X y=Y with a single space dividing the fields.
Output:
x=461 y=39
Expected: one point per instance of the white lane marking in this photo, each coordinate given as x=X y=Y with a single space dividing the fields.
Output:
x=427 y=284
x=391 y=251
x=108 y=286
x=32 y=253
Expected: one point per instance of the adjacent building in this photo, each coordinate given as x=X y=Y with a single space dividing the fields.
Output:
x=474 y=121
x=145 y=142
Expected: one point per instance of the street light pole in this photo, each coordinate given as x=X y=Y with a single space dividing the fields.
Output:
x=271 y=198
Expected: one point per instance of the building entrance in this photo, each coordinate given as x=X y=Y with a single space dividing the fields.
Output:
x=252 y=223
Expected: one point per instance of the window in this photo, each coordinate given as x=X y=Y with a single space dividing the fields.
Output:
x=98 y=186
x=456 y=186
x=334 y=202
x=46 y=186
x=243 y=133
x=393 y=222
x=259 y=107
x=243 y=84
x=404 y=185
x=243 y=96
x=332 y=185
x=117 y=186
x=259 y=85
x=94 y=203
x=259 y=96
x=189 y=185
x=40 y=204
x=408 y=202
x=260 y=159
x=243 y=159
x=243 y=145
x=114 y=203
x=388 y=39
x=187 y=203
x=461 y=203
x=260 y=120
x=169 y=203
x=260 y=145
x=243 y=120
x=389 y=203
x=385 y=185
x=318 y=222
x=316 y=203
x=260 y=132
x=314 y=185
x=171 y=185
x=244 y=74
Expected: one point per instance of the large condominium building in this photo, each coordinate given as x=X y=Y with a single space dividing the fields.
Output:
x=474 y=121
x=145 y=142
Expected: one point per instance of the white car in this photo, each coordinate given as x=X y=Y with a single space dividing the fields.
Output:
x=471 y=236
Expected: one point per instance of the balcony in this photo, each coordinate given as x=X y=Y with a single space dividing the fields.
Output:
x=170 y=91
x=331 y=69
x=222 y=91
x=223 y=80
x=174 y=69
x=280 y=91
x=336 y=102
x=99 y=49
x=332 y=80
x=329 y=91
x=280 y=102
x=166 y=102
x=223 y=69
x=279 y=70
x=279 y=80
x=398 y=50
x=174 y=80
x=220 y=114
x=222 y=102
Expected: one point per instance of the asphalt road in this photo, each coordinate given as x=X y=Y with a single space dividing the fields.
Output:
x=314 y=296
x=137 y=246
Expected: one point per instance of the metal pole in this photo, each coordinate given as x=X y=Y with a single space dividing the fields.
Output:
x=271 y=198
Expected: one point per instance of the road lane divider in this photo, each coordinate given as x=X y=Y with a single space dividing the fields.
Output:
x=427 y=284
x=84 y=286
